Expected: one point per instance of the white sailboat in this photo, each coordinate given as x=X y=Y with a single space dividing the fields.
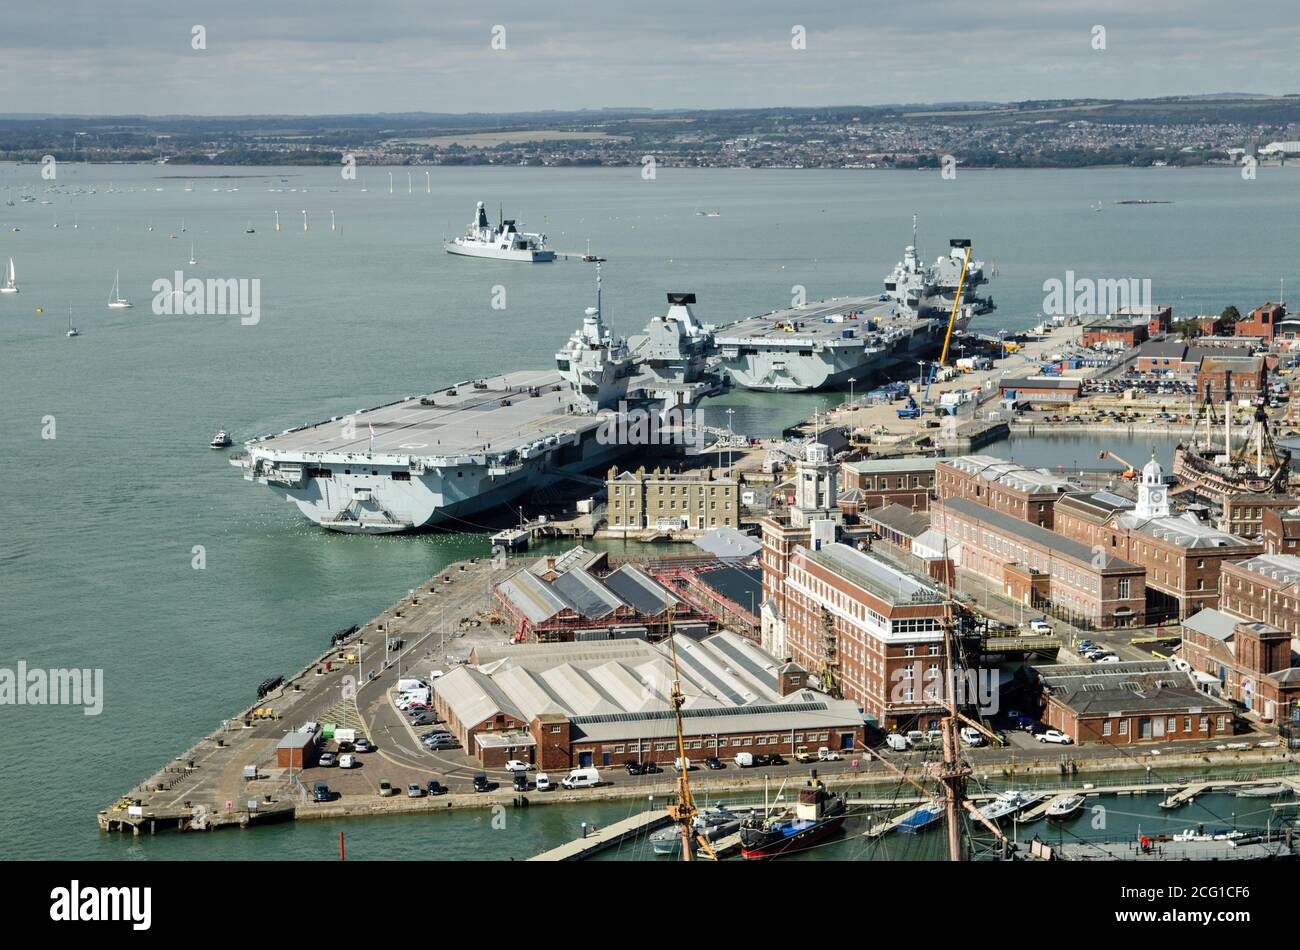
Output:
x=11 y=280
x=115 y=299
x=72 y=331
x=192 y=260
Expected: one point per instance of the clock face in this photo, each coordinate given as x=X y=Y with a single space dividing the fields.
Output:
x=1157 y=496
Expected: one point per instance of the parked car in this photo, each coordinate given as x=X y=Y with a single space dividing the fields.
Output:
x=801 y=754
x=426 y=718
x=744 y=760
x=714 y=763
x=896 y=741
x=436 y=788
x=386 y=789
x=327 y=760
x=972 y=736
x=515 y=765
x=347 y=761
x=825 y=754
x=1054 y=735
x=436 y=734
x=776 y=759
x=521 y=781
x=346 y=747
x=481 y=783
x=543 y=783
x=1108 y=658
x=1027 y=723
x=364 y=745
x=682 y=765
x=760 y=758
x=321 y=792
x=415 y=790
x=441 y=744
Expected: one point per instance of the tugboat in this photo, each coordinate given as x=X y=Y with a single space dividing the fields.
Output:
x=817 y=815
x=221 y=440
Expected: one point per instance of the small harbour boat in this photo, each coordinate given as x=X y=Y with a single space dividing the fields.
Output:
x=1005 y=804
x=72 y=331
x=221 y=440
x=922 y=818
x=1066 y=807
x=1271 y=790
x=817 y=815
x=10 y=286
x=711 y=824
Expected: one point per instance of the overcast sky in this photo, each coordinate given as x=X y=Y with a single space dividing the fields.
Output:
x=265 y=56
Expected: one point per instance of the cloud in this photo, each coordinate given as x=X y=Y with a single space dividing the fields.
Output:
x=340 y=56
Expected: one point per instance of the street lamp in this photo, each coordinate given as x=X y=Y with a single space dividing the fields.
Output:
x=852 y=380
x=730 y=413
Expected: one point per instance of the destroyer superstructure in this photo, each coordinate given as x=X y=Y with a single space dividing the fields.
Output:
x=504 y=242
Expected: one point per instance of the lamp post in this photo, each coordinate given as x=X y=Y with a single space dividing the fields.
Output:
x=730 y=413
x=852 y=380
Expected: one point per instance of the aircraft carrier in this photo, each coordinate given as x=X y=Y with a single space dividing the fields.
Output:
x=827 y=343
x=446 y=455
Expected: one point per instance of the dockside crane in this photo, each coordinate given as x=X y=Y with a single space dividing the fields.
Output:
x=952 y=317
x=1129 y=470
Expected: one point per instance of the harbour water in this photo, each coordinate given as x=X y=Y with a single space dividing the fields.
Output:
x=129 y=546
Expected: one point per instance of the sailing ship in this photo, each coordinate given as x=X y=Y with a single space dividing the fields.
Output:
x=1259 y=466
x=72 y=331
x=115 y=299
x=10 y=285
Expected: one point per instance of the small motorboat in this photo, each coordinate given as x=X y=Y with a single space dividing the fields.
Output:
x=712 y=824
x=922 y=818
x=221 y=440
x=1271 y=790
x=1006 y=803
x=1066 y=807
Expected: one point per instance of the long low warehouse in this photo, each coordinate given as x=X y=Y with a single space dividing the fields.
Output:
x=561 y=706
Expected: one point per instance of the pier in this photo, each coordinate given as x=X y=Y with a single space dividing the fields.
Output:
x=606 y=837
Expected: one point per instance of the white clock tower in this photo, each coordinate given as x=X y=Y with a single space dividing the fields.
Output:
x=1152 y=500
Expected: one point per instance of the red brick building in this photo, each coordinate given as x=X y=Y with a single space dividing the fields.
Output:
x=1245 y=514
x=1130 y=704
x=873 y=630
x=1265 y=589
x=1115 y=334
x=1040 y=390
x=874 y=483
x=1029 y=494
x=1182 y=555
x=1280 y=530
x=1249 y=662
x=1262 y=322
x=1043 y=569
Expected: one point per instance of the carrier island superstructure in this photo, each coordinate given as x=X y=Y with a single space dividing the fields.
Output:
x=442 y=457
x=827 y=343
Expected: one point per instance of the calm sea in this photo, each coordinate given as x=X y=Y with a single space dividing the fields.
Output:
x=100 y=522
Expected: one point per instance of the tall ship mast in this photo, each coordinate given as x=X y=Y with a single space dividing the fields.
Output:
x=1258 y=466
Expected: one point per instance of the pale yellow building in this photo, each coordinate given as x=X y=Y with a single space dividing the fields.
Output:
x=667 y=501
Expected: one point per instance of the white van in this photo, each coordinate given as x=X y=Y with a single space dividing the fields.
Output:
x=679 y=762
x=543 y=783
x=743 y=760
x=582 y=778
x=916 y=739
x=409 y=685
x=896 y=741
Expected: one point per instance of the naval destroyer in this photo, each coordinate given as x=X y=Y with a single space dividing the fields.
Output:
x=446 y=455
x=505 y=242
x=827 y=343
